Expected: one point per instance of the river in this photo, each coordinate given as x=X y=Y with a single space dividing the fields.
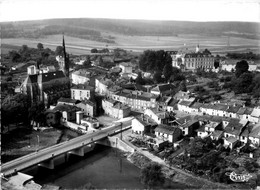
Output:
x=104 y=167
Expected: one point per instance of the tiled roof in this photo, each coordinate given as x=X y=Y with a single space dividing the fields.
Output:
x=255 y=131
x=121 y=106
x=188 y=123
x=217 y=133
x=89 y=102
x=82 y=87
x=201 y=129
x=126 y=64
x=163 y=87
x=68 y=100
x=166 y=129
x=196 y=105
x=65 y=107
x=185 y=103
x=233 y=109
x=231 y=139
x=183 y=120
x=234 y=128
x=46 y=77
x=145 y=120
x=255 y=112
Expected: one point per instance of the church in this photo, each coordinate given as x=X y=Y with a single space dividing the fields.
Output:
x=48 y=86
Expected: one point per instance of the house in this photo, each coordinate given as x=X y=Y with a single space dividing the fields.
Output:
x=235 y=128
x=187 y=124
x=115 y=109
x=190 y=60
x=230 y=142
x=181 y=95
x=68 y=112
x=168 y=133
x=255 y=115
x=82 y=92
x=163 y=89
x=88 y=107
x=172 y=105
x=232 y=111
x=201 y=132
x=244 y=113
x=143 y=125
x=254 y=135
x=159 y=116
x=81 y=76
x=137 y=100
x=195 y=108
x=211 y=126
x=102 y=85
x=184 y=105
x=126 y=67
x=163 y=101
x=216 y=135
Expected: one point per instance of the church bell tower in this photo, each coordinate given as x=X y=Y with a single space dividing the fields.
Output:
x=65 y=66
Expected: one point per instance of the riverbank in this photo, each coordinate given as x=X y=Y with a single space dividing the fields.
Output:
x=174 y=174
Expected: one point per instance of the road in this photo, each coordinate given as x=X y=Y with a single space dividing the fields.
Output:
x=47 y=153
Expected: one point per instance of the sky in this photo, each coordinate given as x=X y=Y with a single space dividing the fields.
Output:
x=187 y=10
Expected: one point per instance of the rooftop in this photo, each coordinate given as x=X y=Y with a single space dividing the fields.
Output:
x=166 y=129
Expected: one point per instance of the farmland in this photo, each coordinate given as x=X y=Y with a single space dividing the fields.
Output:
x=74 y=45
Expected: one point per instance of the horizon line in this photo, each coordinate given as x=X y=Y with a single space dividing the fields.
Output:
x=133 y=19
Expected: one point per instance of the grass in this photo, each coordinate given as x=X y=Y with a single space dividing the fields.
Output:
x=140 y=43
x=22 y=141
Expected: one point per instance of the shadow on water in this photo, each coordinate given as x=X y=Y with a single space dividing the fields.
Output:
x=104 y=167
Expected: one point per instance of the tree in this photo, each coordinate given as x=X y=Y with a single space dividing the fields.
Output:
x=139 y=79
x=59 y=50
x=87 y=62
x=151 y=175
x=167 y=71
x=241 y=67
x=40 y=46
x=154 y=60
x=94 y=50
x=207 y=52
x=15 y=56
x=243 y=83
x=157 y=77
x=183 y=86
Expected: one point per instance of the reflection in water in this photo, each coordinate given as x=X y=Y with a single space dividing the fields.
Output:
x=104 y=167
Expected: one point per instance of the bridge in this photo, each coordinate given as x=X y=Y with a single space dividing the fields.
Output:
x=75 y=145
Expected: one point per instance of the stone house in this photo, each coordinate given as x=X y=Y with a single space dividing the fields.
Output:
x=159 y=116
x=163 y=89
x=82 y=92
x=115 y=109
x=126 y=67
x=254 y=135
x=88 y=107
x=168 y=133
x=143 y=125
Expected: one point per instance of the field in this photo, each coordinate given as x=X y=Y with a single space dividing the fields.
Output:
x=79 y=46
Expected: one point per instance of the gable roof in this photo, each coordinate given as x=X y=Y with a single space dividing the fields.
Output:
x=163 y=87
x=166 y=129
x=68 y=100
x=67 y=108
x=255 y=131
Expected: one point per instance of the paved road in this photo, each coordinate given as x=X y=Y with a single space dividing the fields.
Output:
x=44 y=154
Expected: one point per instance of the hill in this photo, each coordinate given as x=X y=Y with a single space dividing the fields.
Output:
x=93 y=28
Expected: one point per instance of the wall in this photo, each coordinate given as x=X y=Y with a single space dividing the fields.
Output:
x=115 y=142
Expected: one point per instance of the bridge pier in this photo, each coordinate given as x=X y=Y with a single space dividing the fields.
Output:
x=78 y=151
x=47 y=164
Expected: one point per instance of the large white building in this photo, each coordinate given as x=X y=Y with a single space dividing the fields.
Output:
x=187 y=60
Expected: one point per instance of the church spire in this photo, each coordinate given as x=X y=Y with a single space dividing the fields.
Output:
x=66 y=59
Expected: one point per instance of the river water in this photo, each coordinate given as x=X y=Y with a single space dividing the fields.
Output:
x=104 y=167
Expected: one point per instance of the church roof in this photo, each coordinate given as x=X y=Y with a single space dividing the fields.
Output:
x=46 y=77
